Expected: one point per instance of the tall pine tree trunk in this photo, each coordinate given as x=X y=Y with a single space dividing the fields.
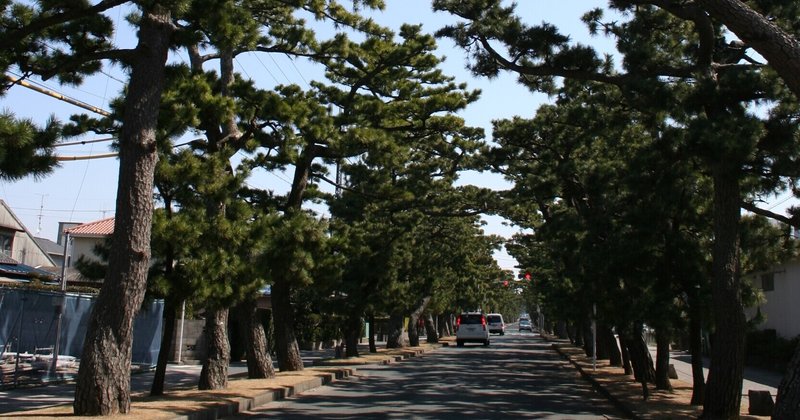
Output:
x=352 y=334
x=395 y=338
x=663 y=338
x=626 y=355
x=259 y=362
x=787 y=404
x=724 y=388
x=586 y=332
x=696 y=350
x=170 y=309
x=372 y=329
x=286 y=347
x=611 y=349
x=214 y=374
x=430 y=330
x=444 y=325
x=413 y=322
x=103 y=384
x=413 y=331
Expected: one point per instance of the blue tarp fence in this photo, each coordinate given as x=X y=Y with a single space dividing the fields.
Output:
x=29 y=321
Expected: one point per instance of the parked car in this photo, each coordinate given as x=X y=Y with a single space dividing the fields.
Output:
x=525 y=324
x=471 y=327
x=496 y=324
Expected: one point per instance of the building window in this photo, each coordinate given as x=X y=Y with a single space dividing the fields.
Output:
x=768 y=282
x=6 y=242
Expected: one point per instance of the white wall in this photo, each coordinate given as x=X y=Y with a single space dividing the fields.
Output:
x=782 y=306
x=83 y=246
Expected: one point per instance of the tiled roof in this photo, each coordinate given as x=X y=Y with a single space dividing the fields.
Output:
x=98 y=228
x=49 y=246
x=5 y=259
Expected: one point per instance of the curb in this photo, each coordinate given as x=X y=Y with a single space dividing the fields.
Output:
x=239 y=404
x=617 y=403
x=376 y=359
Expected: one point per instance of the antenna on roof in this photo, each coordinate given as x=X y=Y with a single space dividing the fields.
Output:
x=41 y=209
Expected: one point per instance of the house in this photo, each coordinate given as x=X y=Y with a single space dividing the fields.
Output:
x=781 y=288
x=86 y=237
x=17 y=244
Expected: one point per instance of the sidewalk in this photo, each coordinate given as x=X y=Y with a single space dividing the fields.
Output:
x=183 y=401
x=626 y=394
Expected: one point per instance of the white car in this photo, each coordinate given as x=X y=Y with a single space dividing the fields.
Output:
x=471 y=327
x=496 y=324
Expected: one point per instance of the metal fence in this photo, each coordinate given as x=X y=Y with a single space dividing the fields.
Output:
x=39 y=342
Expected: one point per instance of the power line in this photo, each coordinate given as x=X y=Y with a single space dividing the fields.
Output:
x=279 y=68
x=265 y=68
x=291 y=60
x=54 y=94
x=83 y=142
x=19 y=210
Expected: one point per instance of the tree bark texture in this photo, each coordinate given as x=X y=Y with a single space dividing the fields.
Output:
x=103 y=384
x=413 y=322
x=214 y=374
x=787 y=404
x=724 y=387
x=430 y=330
x=395 y=338
x=696 y=349
x=586 y=331
x=663 y=338
x=609 y=344
x=286 y=348
x=372 y=347
x=444 y=325
x=170 y=309
x=562 y=330
x=259 y=362
x=626 y=355
x=781 y=49
x=352 y=334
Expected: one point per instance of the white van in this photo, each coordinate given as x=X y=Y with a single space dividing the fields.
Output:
x=496 y=324
x=471 y=327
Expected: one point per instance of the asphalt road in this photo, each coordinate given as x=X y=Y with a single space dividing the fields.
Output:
x=518 y=376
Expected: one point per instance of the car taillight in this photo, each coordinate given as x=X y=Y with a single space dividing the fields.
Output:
x=458 y=322
x=483 y=323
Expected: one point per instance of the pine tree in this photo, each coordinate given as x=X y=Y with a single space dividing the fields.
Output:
x=720 y=87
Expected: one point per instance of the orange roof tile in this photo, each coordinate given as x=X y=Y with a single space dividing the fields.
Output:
x=97 y=228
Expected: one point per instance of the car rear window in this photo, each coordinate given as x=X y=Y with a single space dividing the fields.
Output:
x=494 y=318
x=471 y=318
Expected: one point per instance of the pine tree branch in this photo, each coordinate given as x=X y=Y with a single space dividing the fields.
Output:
x=75 y=62
x=703 y=24
x=12 y=37
x=791 y=221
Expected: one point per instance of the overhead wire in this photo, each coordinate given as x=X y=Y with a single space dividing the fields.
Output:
x=279 y=68
x=265 y=68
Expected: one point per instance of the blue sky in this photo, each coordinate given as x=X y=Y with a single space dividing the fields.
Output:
x=85 y=190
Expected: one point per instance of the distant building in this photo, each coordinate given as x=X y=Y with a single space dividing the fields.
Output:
x=53 y=249
x=781 y=288
x=17 y=243
x=86 y=237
